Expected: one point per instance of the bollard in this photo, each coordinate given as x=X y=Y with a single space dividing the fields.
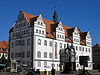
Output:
x=47 y=73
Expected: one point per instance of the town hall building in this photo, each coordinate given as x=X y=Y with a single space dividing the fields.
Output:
x=35 y=42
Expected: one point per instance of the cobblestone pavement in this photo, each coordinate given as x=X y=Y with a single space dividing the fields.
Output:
x=94 y=72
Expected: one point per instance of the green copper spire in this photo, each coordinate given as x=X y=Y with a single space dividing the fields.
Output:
x=55 y=17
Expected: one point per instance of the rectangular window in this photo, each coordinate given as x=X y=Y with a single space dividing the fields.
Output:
x=12 y=55
x=80 y=48
x=23 y=54
x=83 y=49
x=39 y=63
x=17 y=42
x=23 y=42
x=28 y=53
x=86 y=49
x=76 y=48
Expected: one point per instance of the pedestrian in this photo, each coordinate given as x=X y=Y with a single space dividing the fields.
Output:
x=45 y=72
x=37 y=72
x=34 y=72
x=52 y=71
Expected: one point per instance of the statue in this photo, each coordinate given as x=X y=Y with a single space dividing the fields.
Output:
x=67 y=59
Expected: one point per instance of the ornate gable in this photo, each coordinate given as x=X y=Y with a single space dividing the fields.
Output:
x=39 y=26
x=76 y=36
x=60 y=32
x=88 y=39
x=60 y=27
x=39 y=21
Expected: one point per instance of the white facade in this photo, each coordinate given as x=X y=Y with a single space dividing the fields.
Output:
x=45 y=50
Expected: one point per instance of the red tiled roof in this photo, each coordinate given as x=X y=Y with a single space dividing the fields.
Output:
x=4 y=44
x=28 y=16
x=51 y=29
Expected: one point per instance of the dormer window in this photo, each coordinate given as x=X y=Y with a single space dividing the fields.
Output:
x=76 y=33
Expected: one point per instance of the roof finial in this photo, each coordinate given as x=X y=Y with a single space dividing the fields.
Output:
x=55 y=16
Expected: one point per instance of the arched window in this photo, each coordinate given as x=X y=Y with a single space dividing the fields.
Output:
x=50 y=43
x=45 y=42
x=45 y=54
x=39 y=63
x=50 y=55
x=39 y=41
x=39 y=54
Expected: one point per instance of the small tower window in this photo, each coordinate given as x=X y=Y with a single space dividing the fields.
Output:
x=42 y=32
x=36 y=30
x=39 y=31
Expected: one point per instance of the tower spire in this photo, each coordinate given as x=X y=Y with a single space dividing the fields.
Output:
x=55 y=17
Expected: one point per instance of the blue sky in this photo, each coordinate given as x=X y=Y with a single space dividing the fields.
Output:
x=82 y=13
